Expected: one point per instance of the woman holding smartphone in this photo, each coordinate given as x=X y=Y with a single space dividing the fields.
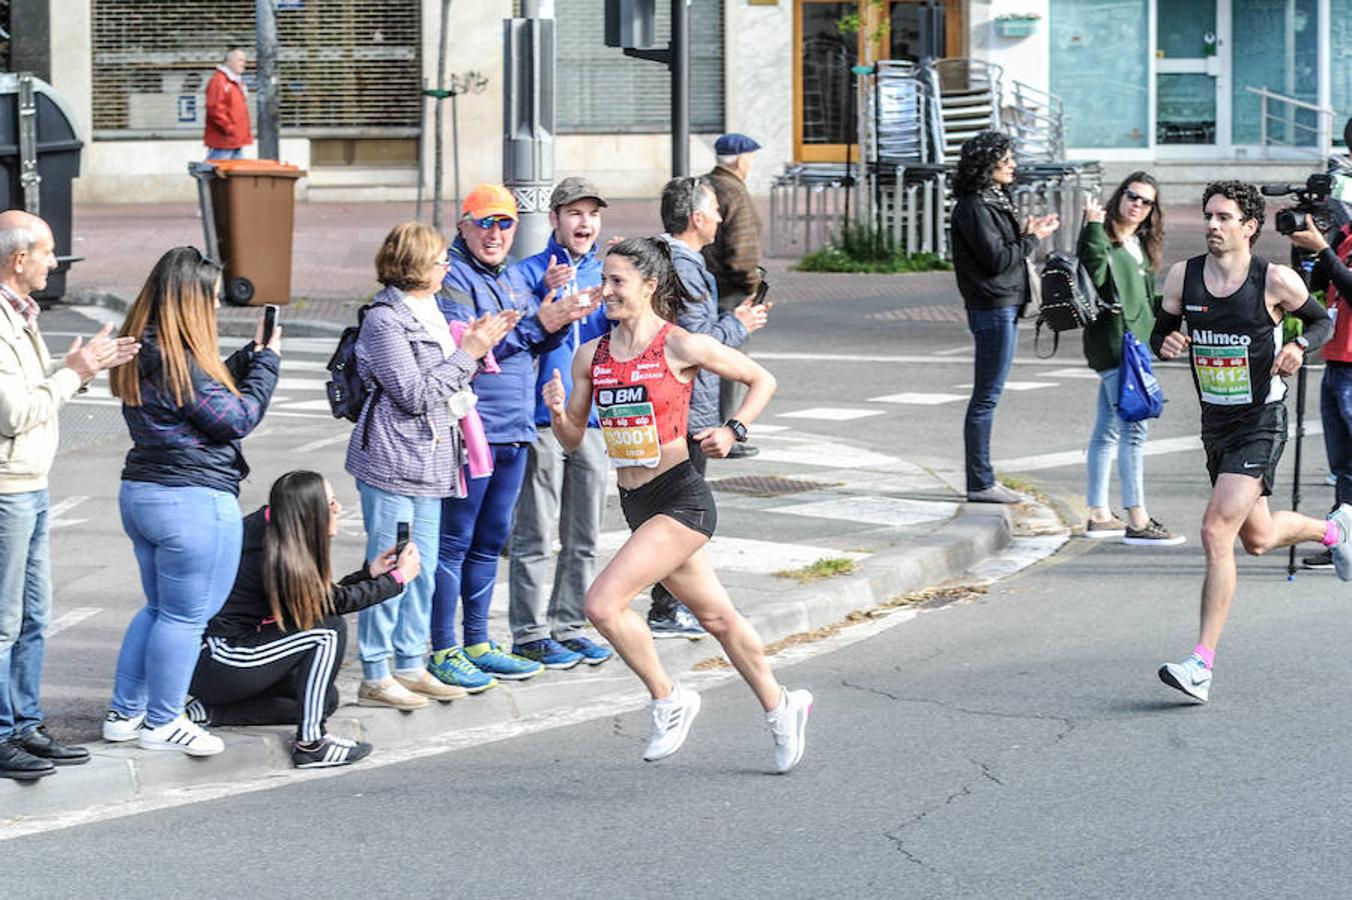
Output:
x=272 y=653
x=640 y=377
x=187 y=411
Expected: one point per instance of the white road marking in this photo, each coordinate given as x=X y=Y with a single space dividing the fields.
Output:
x=895 y=512
x=70 y=619
x=57 y=510
x=1073 y=373
x=768 y=429
x=918 y=399
x=304 y=404
x=322 y=442
x=930 y=358
x=954 y=351
x=830 y=413
x=744 y=554
x=300 y=384
x=828 y=454
x=1017 y=385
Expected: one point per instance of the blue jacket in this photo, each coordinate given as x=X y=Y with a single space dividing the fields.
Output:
x=506 y=399
x=411 y=447
x=197 y=444
x=586 y=274
x=703 y=317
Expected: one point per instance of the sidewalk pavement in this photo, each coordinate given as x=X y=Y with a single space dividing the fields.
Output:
x=801 y=500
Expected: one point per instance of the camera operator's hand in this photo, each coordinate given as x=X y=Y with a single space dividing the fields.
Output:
x=1308 y=238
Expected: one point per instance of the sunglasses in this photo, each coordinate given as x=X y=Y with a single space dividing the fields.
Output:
x=503 y=223
x=1131 y=195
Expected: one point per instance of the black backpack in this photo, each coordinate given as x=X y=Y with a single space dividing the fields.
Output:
x=1069 y=298
x=348 y=393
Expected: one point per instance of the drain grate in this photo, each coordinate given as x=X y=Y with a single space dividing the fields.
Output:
x=767 y=486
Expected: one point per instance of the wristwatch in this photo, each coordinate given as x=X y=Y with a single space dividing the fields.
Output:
x=738 y=430
x=1302 y=343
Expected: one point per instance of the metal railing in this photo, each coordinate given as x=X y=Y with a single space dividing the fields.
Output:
x=1285 y=129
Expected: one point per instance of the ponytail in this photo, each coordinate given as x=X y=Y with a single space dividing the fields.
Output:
x=651 y=257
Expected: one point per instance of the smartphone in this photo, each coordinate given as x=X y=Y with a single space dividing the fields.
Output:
x=401 y=532
x=269 y=322
x=761 y=290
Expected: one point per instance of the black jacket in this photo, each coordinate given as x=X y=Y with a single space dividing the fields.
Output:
x=989 y=249
x=246 y=610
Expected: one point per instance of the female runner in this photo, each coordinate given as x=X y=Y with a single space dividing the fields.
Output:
x=640 y=376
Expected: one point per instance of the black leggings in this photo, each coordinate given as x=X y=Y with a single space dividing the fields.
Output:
x=273 y=679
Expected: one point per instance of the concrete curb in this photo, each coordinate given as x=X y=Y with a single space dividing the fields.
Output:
x=120 y=774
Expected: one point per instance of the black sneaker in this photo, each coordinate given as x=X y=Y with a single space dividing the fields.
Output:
x=329 y=751
x=679 y=622
x=1321 y=560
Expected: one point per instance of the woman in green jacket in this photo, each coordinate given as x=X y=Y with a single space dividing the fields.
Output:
x=1121 y=246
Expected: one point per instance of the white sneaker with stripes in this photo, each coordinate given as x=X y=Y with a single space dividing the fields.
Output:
x=330 y=750
x=183 y=736
x=672 y=717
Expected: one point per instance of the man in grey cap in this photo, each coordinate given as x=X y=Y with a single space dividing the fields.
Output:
x=553 y=633
x=734 y=255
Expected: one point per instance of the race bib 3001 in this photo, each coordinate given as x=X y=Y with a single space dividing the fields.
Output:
x=629 y=426
x=1223 y=377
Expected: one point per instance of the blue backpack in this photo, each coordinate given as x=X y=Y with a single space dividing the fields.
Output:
x=1139 y=395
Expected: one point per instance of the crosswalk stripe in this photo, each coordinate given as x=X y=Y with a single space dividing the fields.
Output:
x=830 y=413
x=918 y=398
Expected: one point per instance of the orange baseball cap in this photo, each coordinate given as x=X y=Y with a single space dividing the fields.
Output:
x=489 y=200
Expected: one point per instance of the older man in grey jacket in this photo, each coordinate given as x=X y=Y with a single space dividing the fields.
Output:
x=690 y=218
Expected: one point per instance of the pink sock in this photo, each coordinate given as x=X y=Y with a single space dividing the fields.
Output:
x=1332 y=533
x=1206 y=653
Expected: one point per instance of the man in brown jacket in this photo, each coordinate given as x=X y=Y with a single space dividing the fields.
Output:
x=734 y=255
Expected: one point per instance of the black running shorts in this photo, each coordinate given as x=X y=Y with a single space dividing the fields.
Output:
x=1252 y=446
x=680 y=493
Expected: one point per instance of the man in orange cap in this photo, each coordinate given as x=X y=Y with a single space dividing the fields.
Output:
x=474 y=529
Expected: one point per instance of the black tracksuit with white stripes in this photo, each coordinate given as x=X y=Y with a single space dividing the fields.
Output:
x=251 y=672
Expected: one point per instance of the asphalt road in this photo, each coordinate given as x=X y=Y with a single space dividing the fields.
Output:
x=1019 y=745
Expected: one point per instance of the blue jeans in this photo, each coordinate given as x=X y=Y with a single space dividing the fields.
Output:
x=1335 y=410
x=1108 y=432
x=187 y=543
x=996 y=334
x=25 y=608
x=473 y=531
x=398 y=627
x=224 y=153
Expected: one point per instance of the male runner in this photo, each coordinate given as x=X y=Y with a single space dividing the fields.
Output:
x=1233 y=303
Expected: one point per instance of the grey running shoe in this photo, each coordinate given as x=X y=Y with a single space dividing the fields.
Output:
x=1321 y=560
x=671 y=717
x=788 y=727
x=1113 y=528
x=1191 y=676
x=1152 y=535
x=1342 y=551
x=680 y=622
x=996 y=493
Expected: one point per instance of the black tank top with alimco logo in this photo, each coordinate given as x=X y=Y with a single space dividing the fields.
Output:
x=1234 y=343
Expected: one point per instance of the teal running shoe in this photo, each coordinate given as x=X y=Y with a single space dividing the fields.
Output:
x=548 y=653
x=451 y=667
x=493 y=660
x=593 y=654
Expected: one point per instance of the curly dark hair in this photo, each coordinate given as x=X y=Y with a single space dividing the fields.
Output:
x=980 y=155
x=1150 y=232
x=1246 y=197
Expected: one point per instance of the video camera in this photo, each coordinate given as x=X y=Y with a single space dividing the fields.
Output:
x=1311 y=203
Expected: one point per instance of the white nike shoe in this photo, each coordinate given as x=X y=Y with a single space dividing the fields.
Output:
x=1191 y=676
x=672 y=717
x=788 y=727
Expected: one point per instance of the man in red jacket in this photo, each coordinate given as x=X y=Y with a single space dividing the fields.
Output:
x=227 y=131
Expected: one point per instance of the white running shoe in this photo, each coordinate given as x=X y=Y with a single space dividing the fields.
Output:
x=672 y=718
x=181 y=735
x=788 y=727
x=1191 y=676
x=1342 y=551
x=118 y=728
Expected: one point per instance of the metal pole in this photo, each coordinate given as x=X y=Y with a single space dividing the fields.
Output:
x=422 y=154
x=455 y=145
x=269 y=137
x=437 y=115
x=680 y=88
x=1295 y=475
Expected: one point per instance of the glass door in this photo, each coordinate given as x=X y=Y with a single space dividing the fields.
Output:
x=824 y=108
x=1192 y=90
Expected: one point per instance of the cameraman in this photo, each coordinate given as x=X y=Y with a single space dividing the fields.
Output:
x=1331 y=274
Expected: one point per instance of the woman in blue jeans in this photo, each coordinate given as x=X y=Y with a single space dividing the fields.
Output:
x=1121 y=246
x=187 y=412
x=990 y=252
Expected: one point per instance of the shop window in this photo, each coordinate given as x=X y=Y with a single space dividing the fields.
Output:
x=1100 y=68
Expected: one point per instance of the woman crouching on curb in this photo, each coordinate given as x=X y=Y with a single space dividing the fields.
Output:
x=640 y=376
x=271 y=655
